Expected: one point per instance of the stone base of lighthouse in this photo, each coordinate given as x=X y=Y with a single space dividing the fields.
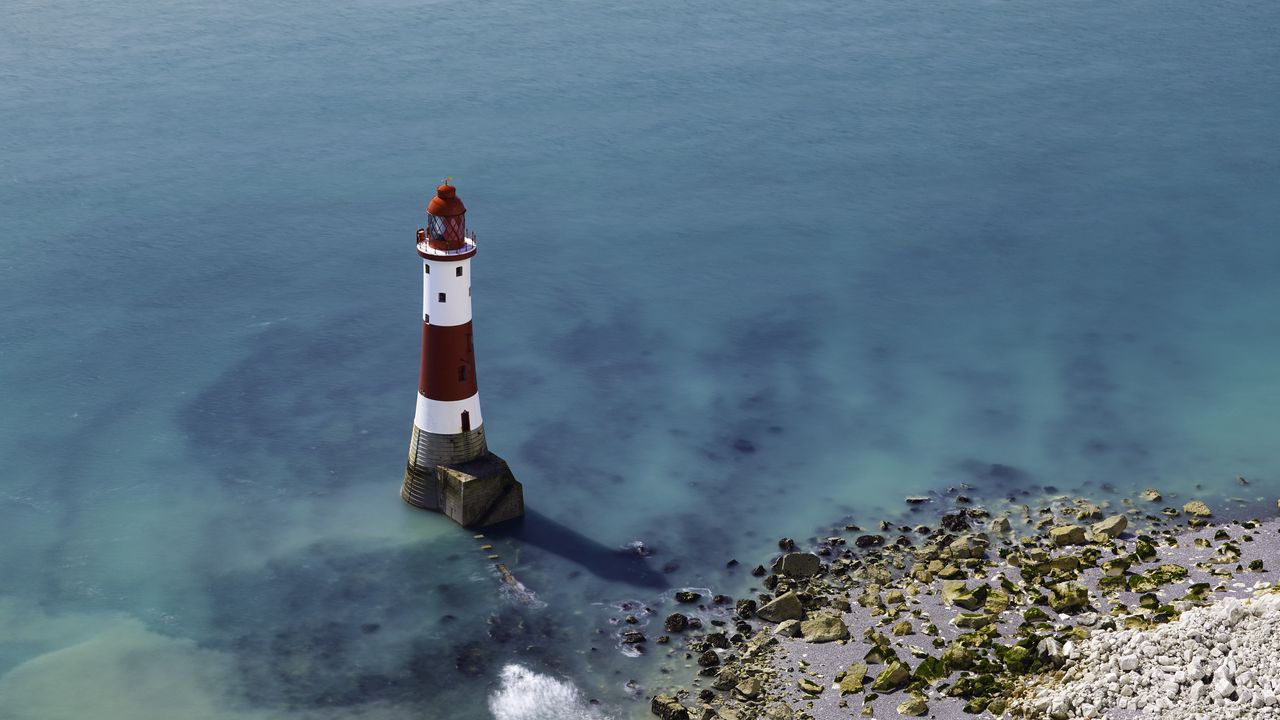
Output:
x=458 y=476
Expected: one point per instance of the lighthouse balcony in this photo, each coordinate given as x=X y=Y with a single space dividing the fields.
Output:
x=466 y=250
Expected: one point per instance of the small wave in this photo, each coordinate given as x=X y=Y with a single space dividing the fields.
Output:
x=527 y=695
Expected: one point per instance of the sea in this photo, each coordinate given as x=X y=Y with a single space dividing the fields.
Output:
x=746 y=270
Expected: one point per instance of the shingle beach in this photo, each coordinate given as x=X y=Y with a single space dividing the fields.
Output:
x=1060 y=609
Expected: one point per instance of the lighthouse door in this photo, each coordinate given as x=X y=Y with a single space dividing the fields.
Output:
x=466 y=421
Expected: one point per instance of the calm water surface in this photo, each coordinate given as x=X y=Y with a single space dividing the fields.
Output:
x=745 y=270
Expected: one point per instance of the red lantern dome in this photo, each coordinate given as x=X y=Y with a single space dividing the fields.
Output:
x=446 y=219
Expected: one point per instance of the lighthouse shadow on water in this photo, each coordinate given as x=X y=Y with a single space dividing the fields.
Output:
x=604 y=562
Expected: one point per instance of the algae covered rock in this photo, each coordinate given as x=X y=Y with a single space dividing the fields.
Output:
x=974 y=621
x=957 y=657
x=914 y=707
x=931 y=670
x=891 y=678
x=1068 y=596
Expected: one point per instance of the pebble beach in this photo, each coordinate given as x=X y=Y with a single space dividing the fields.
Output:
x=1060 y=609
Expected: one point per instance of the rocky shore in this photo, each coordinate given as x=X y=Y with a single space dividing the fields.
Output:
x=1064 y=609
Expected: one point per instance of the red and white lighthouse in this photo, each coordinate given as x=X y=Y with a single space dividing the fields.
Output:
x=450 y=467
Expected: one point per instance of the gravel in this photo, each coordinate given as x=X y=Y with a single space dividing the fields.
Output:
x=1219 y=661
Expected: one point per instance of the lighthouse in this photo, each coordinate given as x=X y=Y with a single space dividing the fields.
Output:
x=450 y=468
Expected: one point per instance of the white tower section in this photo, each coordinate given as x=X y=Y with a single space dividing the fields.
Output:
x=446 y=303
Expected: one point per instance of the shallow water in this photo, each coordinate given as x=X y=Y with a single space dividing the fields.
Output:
x=744 y=271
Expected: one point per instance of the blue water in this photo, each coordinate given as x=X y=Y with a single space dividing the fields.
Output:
x=745 y=270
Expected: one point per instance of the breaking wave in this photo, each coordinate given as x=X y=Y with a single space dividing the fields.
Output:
x=527 y=695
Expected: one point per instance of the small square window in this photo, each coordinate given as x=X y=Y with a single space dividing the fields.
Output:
x=441 y=297
x=462 y=373
x=458 y=271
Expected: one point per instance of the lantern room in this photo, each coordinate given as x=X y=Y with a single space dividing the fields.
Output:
x=446 y=219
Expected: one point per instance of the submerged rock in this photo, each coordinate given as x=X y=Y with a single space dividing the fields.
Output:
x=1198 y=509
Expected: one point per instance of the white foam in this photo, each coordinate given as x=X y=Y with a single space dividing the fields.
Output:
x=527 y=695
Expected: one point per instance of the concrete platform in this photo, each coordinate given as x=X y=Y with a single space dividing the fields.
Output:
x=473 y=494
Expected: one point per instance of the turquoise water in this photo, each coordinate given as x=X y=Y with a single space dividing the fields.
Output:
x=744 y=271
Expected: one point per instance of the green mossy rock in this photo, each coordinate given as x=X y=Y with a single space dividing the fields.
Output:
x=914 y=707
x=853 y=679
x=891 y=678
x=1068 y=596
x=931 y=670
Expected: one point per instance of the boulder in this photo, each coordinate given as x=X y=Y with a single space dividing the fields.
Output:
x=749 y=688
x=1067 y=535
x=784 y=607
x=1109 y=528
x=688 y=596
x=1198 y=509
x=798 y=565
x=951 y=589
x=824 y=628
x=668 y=708
x=676 y=622
x=1152 y=495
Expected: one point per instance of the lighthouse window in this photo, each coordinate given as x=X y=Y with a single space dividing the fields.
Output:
x=462 y=373
x=426 y=268
x=458 y=272
x=441 y=297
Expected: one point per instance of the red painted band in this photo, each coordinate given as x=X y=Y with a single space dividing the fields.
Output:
x=448 y=369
